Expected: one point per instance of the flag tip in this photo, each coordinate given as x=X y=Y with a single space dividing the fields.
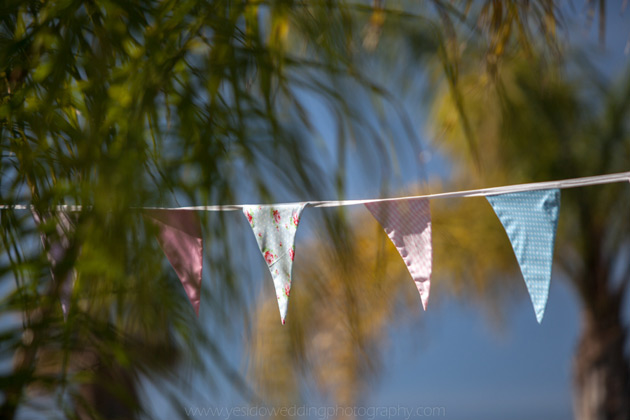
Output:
x=424 y=298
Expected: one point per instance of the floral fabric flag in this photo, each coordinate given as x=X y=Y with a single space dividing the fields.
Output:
x=274 y=228
x=530 y=219
x=181 y=240
x=56 y=250
x=408 y=225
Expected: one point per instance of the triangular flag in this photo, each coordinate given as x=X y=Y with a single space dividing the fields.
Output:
x=274 y=228
x=181 y=240
x=408 y=225
x=530 y=219
x=56 y=251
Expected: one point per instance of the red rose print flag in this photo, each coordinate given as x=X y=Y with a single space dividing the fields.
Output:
x=274 y=228
x=181 y=240
x=56 y=246
x=408 y=225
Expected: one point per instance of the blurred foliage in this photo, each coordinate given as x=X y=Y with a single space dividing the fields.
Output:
x=117 y=105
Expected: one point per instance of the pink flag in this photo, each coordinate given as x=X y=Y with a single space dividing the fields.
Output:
x=56 y=250
x=181 y=240
x=408 y=225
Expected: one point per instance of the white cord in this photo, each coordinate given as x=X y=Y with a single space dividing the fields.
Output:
x=483 y=192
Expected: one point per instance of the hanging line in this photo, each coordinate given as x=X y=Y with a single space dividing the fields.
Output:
x=482 y=192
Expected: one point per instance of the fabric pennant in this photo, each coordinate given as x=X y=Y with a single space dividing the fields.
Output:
x=56 y=250
x=530 y=219
x=274 y=228
x=179 y=236
x=408 y=225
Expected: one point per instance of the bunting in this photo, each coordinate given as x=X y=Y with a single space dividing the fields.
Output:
x=528 y=212
x=408 y=225
x=56 y=250
x=274 y=228
x=530 y=219
x=179 y=236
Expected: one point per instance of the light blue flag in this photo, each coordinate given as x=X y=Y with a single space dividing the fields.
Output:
x=530 y=219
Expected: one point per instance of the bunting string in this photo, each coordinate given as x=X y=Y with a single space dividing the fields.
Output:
x=482 y=192
x=528 y=212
